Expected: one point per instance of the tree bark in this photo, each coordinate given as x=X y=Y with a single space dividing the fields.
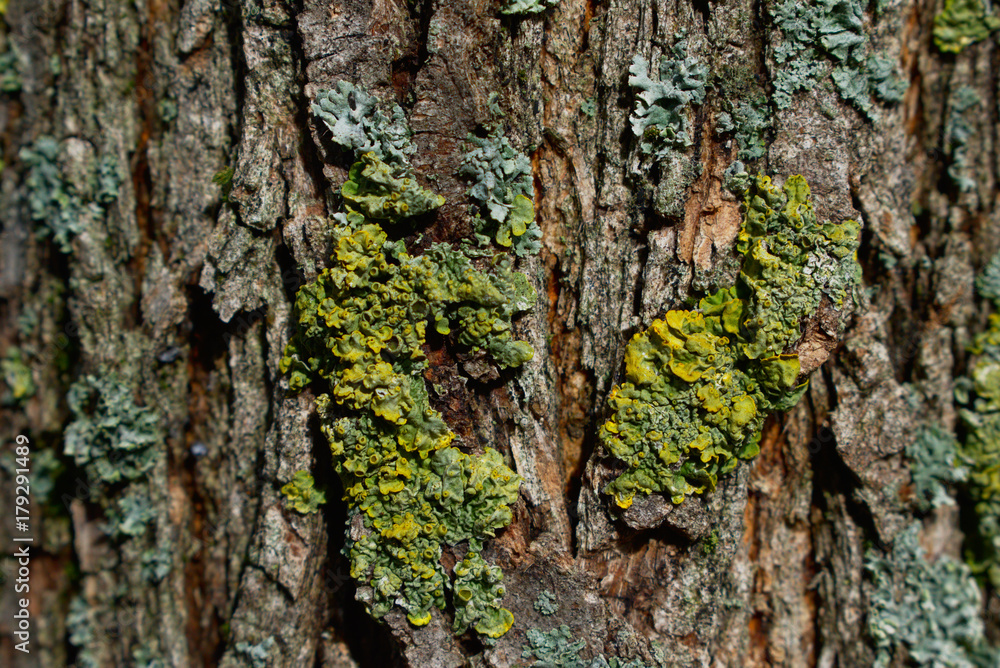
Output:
x=181 y=290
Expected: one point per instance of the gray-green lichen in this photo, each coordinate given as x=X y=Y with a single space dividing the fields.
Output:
x=928 y=611
x=301 y=494
x=358 y=122
x=361 y=335
x=546 y=603
x=661 y=119
x=259 y=654
x=749 y=126
x=828 y=36
x=700 y=382
x=555 y=649
x=962 y=23
x=10 y=71
x=111 y=436
x=934 y=466
x=502 y=187
x=527 y=6
x=60 y=207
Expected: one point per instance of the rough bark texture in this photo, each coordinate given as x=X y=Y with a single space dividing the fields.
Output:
x=182 y=291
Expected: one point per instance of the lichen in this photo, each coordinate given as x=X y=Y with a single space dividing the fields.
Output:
x=958 y=131
x=17 y=376
x=358 y=123
x=962 y=23
x=502 y=187
x=528 y=6
x=10 y=71
x=929 y=609
x=749 y=126
x=360 y=340
x=258 y=654
x=699 y=383
x=979 y=396
x=111 y=436
x=828 y=37
x=554 y=649
x=661 y=119
x=546 y=603
x=301 y=494
x=934 y=466
x=60 y=207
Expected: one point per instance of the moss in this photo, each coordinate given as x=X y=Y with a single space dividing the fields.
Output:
x=962 y=23
x=699 y=383
x=502 y=187
x=224 y=179
x=928 y=611
x=362 y=329
x=301 y=494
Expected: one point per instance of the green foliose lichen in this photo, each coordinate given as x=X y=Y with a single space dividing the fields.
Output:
x=958 y=131
x=928 y=611
x=699 y=383
x=749 y=126
x=10 y=71
x=112 y=437
x=502 y=187
x=546 y=603
x=362 y=329
x=16 y=376
x=962 y=23
x=301 y=494
x=61 y=207
x=257 y=654
x=934 y=466
x=555 y=649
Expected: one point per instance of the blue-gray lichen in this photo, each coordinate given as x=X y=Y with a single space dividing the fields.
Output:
x=528 y=6
x=834 y=30
x=661 y=119
x=958 y=130
x=929 y=611
x=748 y=125
x=10 y=71
x=111 y=436
x=700 y=382
x=58 y=205
x=358 y=122
x=555 y=649
x=259 y=654
x=933 y=454
x=502 y=187
x=546 y=603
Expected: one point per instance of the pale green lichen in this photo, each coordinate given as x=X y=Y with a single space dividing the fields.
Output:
x=130 y=514
x=962 y=23
x=111 y=436
x=10 y=71
x=555 y=649
x=933 y=454
x=928 y=611
x=546 y=604
x=358 y=123
x=258 y=654
x=749 y=126
x=502 y=187
x=814 y=34
x=661 y=119
x=362 y=328
x=301 y=494
x=700 y=382
x=528 y=6
x=58 y=205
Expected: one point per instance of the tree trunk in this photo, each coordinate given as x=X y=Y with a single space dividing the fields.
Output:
x=135 y=262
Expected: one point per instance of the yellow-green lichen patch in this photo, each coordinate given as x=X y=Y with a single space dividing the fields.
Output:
x=362 y=326
x=301 y=494
x=700 y=382
x=962 y=23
